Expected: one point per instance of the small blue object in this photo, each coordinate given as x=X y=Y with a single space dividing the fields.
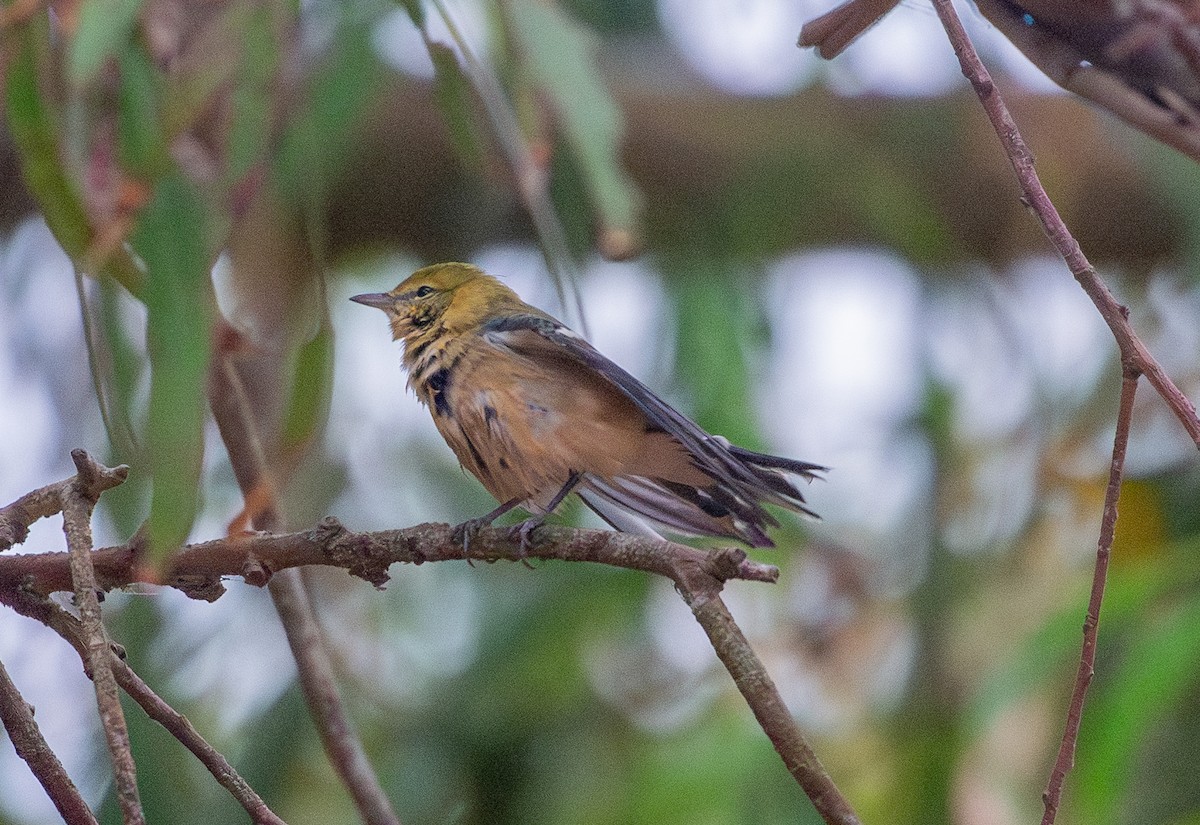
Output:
x=1027 y=19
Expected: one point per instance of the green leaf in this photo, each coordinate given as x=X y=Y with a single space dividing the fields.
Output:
x=561 y=56
x=1155 y=675
x=341 y=88
x=34 y=125
x=104 y=25
x=171 y=239
x=143 y=150
x=312 y=383
x=253 y=93
x=456 y=100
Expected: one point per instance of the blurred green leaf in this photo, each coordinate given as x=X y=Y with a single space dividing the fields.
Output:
x=253 y=93
x=342 y=85
x=1158 y=669
x=103 y=26
x=561 y=55
x=171 y=239
x=35 y=129
x=716 y=321
x=312 y=384
x=143 y=149
x=456 y=100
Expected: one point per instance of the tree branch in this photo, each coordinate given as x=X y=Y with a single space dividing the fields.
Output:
x=30 y=745
x=77 y=503
x=763 y=697
x=1087 y=658
x=231 y=409
x=1133 y=351
x=197 y=569
x=40 y=609
x=16 y=518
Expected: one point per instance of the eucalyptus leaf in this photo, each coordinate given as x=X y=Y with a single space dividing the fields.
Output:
x=171 y=239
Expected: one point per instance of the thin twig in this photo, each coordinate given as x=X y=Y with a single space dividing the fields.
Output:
x=16 y=518
x=344 y=747
x=1133 y=351
x=1087 y=658
x=69 y=628
x=31 y=746
x=77 y=504
x=760 y=693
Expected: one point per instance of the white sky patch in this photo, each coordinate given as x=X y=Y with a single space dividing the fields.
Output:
x=745 y=47
x=399 y=43
x=845 y=379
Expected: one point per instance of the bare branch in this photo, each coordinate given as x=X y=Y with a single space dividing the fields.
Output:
x=1133 y=351
x=1087 y=658
x=69 y=628
x=197 y=569
x=77 y=503
x=231 y=409
x=16 y=518
x=29 y=744
x=763 y=697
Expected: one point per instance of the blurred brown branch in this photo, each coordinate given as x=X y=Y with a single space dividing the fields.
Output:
x=30 y=745
x=232 y=410
x=41 y=609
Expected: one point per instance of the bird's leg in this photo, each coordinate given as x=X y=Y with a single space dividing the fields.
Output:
x=524 y=530
x=467 y=531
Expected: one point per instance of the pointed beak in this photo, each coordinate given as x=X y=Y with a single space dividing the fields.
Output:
x=379 y=300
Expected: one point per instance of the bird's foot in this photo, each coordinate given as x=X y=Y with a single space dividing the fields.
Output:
x=466 y=532
x=523 y=534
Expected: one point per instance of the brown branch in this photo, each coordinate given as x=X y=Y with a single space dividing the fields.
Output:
x=1087 y=658
x=77 y=504
x=1133 y=351
x=30 y=745
x=40 y=609
x=16 y=518
x=197 y=569
x=231 y=409
x=763 y=697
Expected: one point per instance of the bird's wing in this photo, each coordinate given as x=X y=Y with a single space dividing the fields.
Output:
x=743 y=475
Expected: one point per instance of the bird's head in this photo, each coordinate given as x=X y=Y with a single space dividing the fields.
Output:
x=443 y=298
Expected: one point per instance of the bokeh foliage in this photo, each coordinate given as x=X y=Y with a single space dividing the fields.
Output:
x=274 y=140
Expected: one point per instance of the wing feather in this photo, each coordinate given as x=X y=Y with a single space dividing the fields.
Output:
x=741 y=479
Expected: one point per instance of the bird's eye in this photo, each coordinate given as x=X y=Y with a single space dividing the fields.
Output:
x=422 y=291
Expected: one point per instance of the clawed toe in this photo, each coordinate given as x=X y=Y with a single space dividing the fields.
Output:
x=466 y=532
x=523 y=534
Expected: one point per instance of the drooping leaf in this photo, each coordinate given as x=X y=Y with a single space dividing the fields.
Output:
x=308 y=401
x=171 y=239
x=143 y=149
x=455 y=99
x=561 y=55
x=104 y=25
x=35 y=128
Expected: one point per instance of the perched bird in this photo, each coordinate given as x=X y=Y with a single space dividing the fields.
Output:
x=534 y=412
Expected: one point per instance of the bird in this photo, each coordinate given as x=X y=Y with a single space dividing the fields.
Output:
x=535 y=413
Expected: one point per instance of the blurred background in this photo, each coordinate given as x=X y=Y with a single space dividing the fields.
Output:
x=826 y=260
